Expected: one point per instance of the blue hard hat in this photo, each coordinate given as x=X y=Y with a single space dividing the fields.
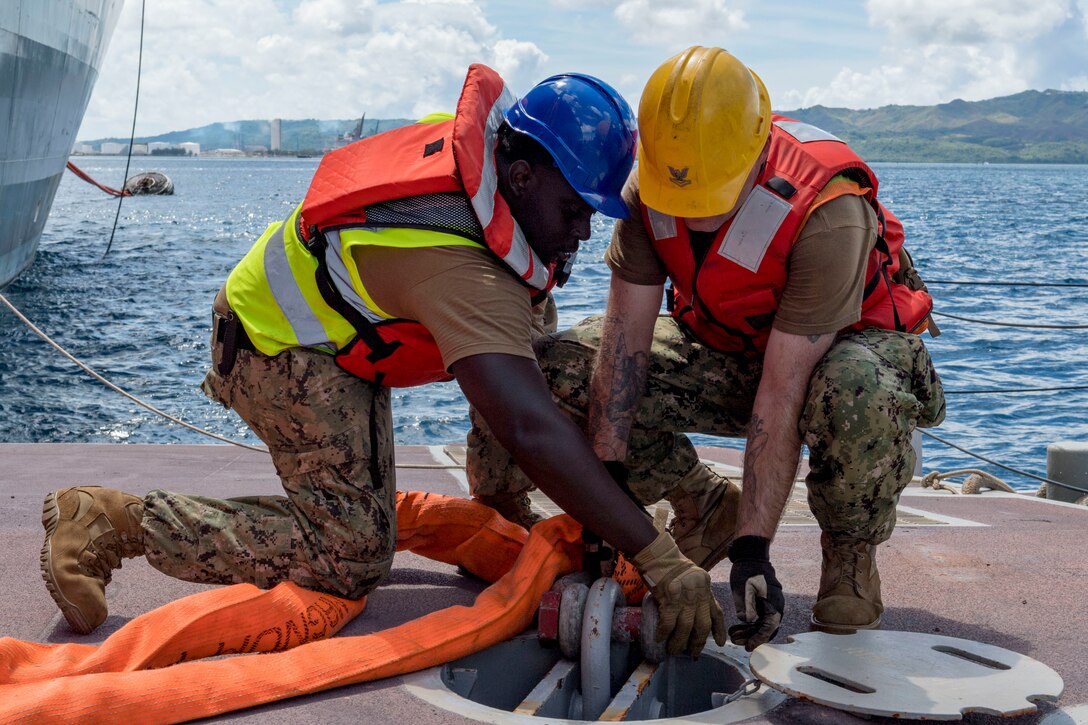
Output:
x=588 y=129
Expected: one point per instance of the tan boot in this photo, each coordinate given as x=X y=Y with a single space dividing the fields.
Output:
x=705 y=508
x=88 y=529
x=513 y=506
x=849 y=597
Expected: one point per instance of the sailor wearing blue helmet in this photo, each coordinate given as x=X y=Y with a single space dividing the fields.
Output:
x=419 y=254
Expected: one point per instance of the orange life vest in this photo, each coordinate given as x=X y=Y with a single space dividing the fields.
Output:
x=728 y=297
x=455 y=156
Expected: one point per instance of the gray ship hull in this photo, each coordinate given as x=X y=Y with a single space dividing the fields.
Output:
x=50 y=52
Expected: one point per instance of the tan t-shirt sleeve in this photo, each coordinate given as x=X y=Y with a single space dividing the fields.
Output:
x=827 y=268
x=631 y=255
x=469 y=302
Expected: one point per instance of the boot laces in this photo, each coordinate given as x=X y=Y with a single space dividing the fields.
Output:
x=108 y=549
x=104 y=556
x=849 y=555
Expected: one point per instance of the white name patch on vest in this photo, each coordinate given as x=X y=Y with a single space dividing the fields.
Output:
x=754 y=228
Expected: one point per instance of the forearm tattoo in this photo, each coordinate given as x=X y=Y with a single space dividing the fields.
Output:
x=628 y=377
x=753 y=449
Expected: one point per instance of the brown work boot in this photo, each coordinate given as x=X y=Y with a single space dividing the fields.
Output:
x=705 y=507
x=513 y=506
x=88 y=529
x=849 y=597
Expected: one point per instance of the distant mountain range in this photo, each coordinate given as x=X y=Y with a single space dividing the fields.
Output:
x=306 y=136
x=1029 y=127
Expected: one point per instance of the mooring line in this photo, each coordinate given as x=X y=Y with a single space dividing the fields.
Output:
x=990 y=283
x=132 y=135
x=1045 y=480
x=90 y=371
x=1011 y=324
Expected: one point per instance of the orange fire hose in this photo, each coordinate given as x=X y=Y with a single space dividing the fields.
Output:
x=150 y=671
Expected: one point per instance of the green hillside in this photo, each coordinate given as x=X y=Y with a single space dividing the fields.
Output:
x=1029 y=127
x=302 y=136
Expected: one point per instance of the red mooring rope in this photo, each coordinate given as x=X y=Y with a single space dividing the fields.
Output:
x=83 y=175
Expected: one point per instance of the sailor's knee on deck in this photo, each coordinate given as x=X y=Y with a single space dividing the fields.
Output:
x=353 y=578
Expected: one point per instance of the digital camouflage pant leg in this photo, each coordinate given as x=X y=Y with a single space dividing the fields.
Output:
x=865 y=397
x=330 y=437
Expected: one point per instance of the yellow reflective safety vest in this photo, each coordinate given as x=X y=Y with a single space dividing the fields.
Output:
x=423 y=185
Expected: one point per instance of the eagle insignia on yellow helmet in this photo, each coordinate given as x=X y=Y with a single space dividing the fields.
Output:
x=679 y=176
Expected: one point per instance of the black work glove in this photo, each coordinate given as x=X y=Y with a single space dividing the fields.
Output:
x=757 y=593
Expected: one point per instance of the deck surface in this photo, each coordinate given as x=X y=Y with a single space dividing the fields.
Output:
x=1005 y=569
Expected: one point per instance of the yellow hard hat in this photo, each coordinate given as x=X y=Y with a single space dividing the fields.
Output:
x=703 y=121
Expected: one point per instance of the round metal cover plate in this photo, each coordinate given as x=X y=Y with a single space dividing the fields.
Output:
x=905 y=674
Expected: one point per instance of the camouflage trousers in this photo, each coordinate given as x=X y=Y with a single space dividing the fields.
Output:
x=330 y=438
x=865 y=397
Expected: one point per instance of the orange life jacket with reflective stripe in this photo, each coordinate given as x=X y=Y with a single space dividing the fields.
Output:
x=427 y=158
x=728 y=296
x=452 y=156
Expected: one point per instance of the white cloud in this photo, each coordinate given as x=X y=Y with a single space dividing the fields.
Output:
x=218 y=60
x=967 y=21
x=222 y=60
x=579 y=4
x=971 y=49
x=518 y=63
x=340 y=18
x=677 y=23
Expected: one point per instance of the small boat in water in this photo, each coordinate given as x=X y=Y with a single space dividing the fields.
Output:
x=49 y=59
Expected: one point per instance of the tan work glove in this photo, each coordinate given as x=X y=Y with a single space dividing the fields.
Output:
x=687 y=607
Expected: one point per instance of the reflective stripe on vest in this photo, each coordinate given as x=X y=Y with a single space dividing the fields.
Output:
x=759 y=218
x=341 y=278
x=805 y=132
x=479 y=175
x=455 y=155
x=285 y=290
x=307 y=329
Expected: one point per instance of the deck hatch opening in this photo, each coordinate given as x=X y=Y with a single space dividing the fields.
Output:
x=526 y=678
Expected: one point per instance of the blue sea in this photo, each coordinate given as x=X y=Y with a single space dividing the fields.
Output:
x=139 y=315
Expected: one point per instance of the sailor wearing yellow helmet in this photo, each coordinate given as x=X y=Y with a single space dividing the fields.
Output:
x=793 y=318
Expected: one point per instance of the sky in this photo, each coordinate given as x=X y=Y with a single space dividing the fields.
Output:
x=207 y=61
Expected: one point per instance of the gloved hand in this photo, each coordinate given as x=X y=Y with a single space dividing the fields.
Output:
x=687 y=608
x=757 y=594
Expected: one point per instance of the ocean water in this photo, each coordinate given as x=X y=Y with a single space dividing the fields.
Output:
x=139 y=315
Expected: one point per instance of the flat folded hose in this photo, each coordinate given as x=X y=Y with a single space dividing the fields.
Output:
x=151 y=671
